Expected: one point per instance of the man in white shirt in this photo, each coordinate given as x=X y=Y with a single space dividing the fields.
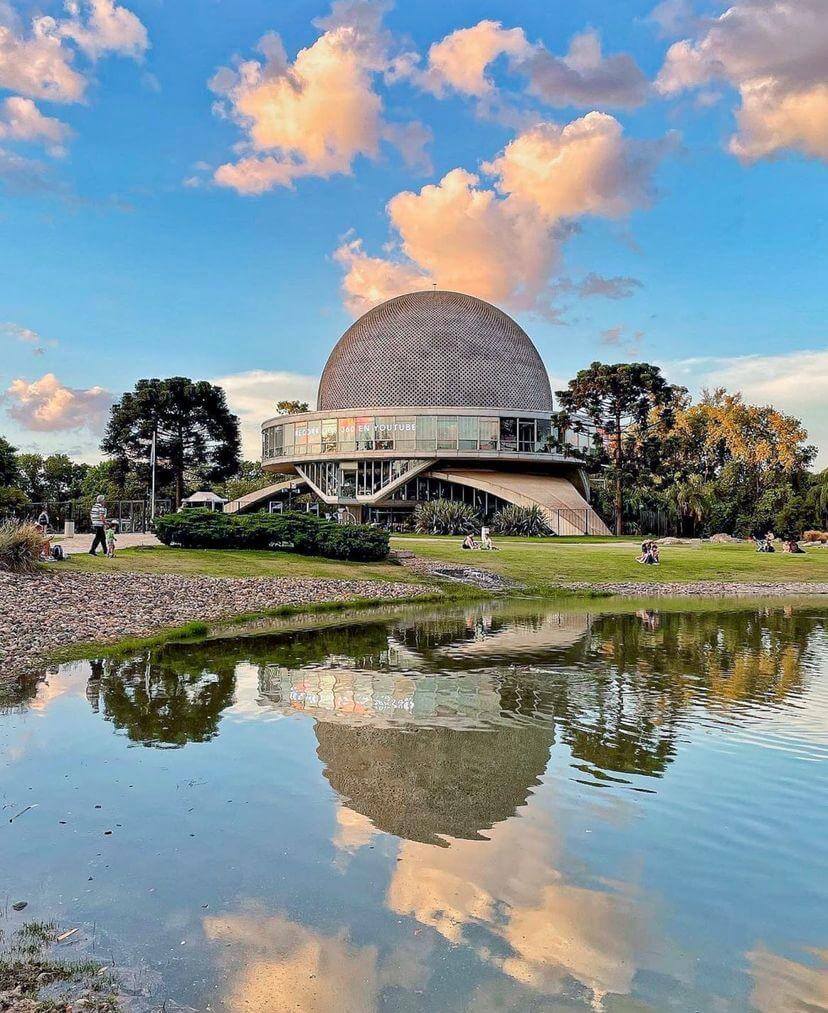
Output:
x=98 y=517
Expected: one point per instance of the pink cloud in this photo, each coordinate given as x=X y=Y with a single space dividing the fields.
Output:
x=46 y=405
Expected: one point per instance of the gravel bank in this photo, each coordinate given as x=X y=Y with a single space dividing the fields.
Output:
x=699 y=589
x=50 y=610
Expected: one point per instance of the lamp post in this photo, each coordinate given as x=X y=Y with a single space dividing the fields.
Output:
x=152 y=466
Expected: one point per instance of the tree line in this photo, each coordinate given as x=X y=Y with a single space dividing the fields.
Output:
x=714 y=464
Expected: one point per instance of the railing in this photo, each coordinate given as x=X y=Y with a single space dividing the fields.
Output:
x=131 y=515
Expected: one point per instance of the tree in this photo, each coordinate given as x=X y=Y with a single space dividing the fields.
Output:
x=628 y=406
x=30 y=467
x=248 y=478
x=292 y=407
x=196 y=431
x=9 y=471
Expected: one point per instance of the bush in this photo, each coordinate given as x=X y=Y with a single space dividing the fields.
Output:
x=20 y=547
x=521 y=520
x=815 y=536
x=292 y=532
x=445 y=517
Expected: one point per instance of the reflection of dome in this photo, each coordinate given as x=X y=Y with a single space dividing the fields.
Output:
x=436 y=781
x=439 y=349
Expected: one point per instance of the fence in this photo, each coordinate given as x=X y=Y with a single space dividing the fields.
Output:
x=132 y=515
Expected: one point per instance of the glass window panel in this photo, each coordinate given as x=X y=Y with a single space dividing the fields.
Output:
x=347 y=481
x=467 y=430
x=365 y=432
x=526 y=435
x=426 y=432
x=347 y=434
x=314 y=437
x=544 y=435
x=328 y=435
x=384 y=432
x=290 y=437
x=508 y=434
x=301 y=432
x=405 y=432
x=447 y=432
x=489 y=429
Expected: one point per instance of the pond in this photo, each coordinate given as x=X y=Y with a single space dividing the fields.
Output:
x=505 y=806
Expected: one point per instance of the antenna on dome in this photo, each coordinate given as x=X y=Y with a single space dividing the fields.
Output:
x=434 y=285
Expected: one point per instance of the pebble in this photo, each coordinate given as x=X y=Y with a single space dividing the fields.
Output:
x=50 y=610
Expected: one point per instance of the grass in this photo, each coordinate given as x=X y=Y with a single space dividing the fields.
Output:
x=542 y=565
x=240 y=563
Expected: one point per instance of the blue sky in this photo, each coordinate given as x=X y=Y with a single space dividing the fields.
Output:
x=681 y=169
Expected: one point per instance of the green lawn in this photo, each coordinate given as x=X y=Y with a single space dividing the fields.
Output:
x=542 y=564
x=239 y=563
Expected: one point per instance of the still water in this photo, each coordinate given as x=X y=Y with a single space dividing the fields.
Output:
x=503 y=807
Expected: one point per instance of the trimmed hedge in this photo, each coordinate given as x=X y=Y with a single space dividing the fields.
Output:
x=292 y=532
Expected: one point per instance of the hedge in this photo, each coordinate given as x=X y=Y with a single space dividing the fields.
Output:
x=291 y=532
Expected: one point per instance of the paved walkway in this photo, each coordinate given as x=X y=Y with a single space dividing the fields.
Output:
x=81 y=543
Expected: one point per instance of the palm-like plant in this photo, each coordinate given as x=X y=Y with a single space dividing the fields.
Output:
x=527 y=521
x=445 y=517
x=20 y=547
x=691 y=499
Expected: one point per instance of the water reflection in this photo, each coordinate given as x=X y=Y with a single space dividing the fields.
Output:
x=498 y=807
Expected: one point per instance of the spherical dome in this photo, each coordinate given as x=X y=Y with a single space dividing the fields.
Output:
x=435 y=348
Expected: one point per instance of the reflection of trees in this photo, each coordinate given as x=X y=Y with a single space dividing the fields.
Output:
x=424 y=782
x=165 y=700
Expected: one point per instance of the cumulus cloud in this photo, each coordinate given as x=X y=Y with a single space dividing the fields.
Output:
x=21 y=120
x=315 y=116
x=101 y=26
x=37 y=64
x=584 y=76
x=252 y=396
x=503 y=241
x=46 y=405
x=775 y=54
x=768 y=379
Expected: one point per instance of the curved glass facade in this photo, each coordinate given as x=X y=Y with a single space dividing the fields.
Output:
x=408 y=433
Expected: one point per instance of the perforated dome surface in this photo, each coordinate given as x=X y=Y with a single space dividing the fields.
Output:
x=435 y=348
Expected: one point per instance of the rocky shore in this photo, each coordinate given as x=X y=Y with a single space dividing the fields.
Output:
x=51 y=610
x=698 y=588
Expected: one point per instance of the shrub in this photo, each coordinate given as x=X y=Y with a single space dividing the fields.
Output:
x=521 y=520
x=445 y=517
x=292 y=532
x=20 y=547
x=815 y=536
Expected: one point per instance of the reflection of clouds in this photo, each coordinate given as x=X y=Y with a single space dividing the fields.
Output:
x=246 y=705
x=785 y=986
x=278 y=965
x=353 y=830
x=542 y=930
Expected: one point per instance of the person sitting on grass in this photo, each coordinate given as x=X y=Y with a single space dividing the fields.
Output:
x=486 y=542
x=469 y=542
x=46 y=543
x=649 y=553
x=792 y=545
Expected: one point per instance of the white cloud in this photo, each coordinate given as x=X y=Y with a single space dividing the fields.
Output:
x=503 y=242
x=46 y=405
x=21 y=120
x=37 y=63
x=793 y=382
x=584 y=76
x=253 y=396
x=26 y=336
x=100 y=26
x=315 y=116
x=775 y=54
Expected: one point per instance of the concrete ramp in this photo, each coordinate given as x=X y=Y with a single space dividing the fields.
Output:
x=255 y=499
x=566 y=509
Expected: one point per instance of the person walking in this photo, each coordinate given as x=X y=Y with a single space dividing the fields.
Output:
x=98 y=517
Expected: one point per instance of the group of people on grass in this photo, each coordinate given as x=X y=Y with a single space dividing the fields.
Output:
x=764 y=543
x=485 y=543
x=104 y=532
x=649 y=553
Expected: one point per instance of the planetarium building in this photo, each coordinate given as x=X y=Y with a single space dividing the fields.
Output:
x=429 y=395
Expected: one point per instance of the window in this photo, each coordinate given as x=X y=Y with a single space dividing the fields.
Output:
x=426 y=432
x=405 y=432
x=347 y=480
x=544 y=435
x=289 y=437
x=508 y=434
x=526 y=436
x=301 y=437
x=447 y=432
x=314 y=437
x=365 y=433
x=328 y=435
x=384 y=432
x=489 y=429
x=467 y=430
x=347 y=434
